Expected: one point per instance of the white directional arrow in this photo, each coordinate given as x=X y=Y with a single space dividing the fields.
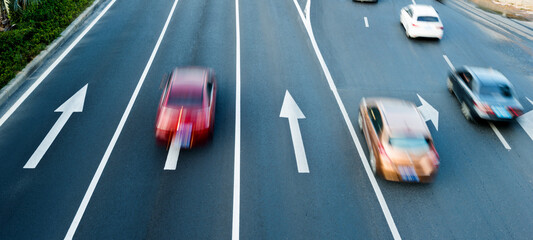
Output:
x=526 y=121
x=290 y=110
x=73 y=104
x=429 y=112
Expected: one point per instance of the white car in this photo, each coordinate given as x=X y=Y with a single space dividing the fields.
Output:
x=421 y=21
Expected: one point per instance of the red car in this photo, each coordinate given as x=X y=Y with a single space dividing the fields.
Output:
x=187 y=107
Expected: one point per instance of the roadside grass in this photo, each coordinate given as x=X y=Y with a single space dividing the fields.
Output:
x=36 y=27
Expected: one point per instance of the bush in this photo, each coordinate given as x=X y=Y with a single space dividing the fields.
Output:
x=36 y=27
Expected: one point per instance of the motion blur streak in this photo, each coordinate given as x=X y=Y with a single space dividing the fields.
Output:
x=107 y=154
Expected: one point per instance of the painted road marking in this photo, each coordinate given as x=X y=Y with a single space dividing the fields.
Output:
x=237 y=153
x=414 y=3
x=73 y=104
x=529 y=100
x=429 y=112
x=366 y=22
x=526 y=121
x=49 y=70
x=107 y=154
x=449 y=62
x=173 y=154
x=357 y=143
x=307 y=9
x=290 y=110
x=505 y=144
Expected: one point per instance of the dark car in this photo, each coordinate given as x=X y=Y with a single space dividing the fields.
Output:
x=484 y=93
x=187 y=107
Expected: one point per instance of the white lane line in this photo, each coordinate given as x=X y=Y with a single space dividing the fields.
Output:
x=414 y=3
x=173 y=154
x=307 y=9
x=449 y=63
x=357 y=143
x=500 y=136
x=529 y=100
x=107 y=154
x=366 y=22
x=237 y=152
x=54 y=65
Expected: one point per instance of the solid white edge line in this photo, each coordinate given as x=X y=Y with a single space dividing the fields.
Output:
x=357 y=143
x=449 y=62
x=26 y=94
x=500 y=136
x=529 y=100
x=366 y=22
x=237 y=154
x=107 y=154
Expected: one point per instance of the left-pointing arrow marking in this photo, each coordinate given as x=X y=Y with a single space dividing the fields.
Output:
x=73 y=104
x=290 y=110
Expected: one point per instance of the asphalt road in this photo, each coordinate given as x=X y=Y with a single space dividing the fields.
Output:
x=483 y=190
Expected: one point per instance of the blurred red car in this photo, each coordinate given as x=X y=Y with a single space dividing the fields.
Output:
x=187 y=107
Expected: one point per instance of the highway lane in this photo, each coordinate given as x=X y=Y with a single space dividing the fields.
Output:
x=41 y=203
x=334 y=200
x=482 y=190
x=136 y=198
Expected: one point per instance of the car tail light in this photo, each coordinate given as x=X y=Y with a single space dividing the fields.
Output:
x=515 y=111
x=440 y=27
x=414 y=25
x=483 y=108
x=436 y=160
x=179 y=119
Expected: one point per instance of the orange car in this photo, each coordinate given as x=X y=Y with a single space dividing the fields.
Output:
x=400 y=146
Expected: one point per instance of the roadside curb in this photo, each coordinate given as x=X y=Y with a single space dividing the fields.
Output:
x=15 y=83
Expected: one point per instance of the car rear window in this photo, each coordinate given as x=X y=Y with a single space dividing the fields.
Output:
x=184 y=97
x=427 y=19
x=411 y=143
x=496 y=90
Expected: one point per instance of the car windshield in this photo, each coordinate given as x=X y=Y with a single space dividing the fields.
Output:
x=427 y=19
x=500 y=90
x=411 y=143
x=184 y=97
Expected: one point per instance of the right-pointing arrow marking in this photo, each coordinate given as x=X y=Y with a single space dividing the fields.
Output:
x=526 y=121
x=290 y=110
x=429 y=112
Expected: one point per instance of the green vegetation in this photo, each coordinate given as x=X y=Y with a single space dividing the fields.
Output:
x=36 y=26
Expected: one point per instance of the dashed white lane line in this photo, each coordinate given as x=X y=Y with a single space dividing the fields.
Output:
x=500 y=136
x=414 y=3
x=449 y=63
x=529 y=100
x=237 y=153
x=54 y=65
x=366 y=22
x=357 y=143
x=107 y=154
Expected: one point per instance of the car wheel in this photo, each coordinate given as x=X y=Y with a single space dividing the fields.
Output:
x=450 y=85
x=466 y=112
x=360 y=121
x=372 y=161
